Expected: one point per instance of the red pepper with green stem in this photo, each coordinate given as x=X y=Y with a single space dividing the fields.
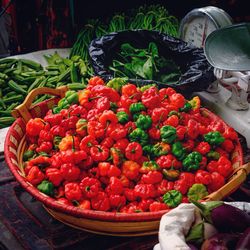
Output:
x=133 y=151
x=90 y=187
x=73 y=191
x=87 y=142
x=99 y=153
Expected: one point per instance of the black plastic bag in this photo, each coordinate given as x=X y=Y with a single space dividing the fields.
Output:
x=197 y=73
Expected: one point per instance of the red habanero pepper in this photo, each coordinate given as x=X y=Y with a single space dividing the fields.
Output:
x=133 y=151
x=54 y=175
x=35 y=175
x=56 y=160
x=130 y=194
x=217 y=182
x=164 y=186
x=70 y=172
x=224 y=166
x=154 y=132
x=100 y=202
x=87 y=163
x=99 y=153
x=125 y=102
x=95 y=129
x=41 y=162
x=107 y=117
x=129 y=90
x=145 y=191
x=100 y=90
x=57 y=131
x=79 y=156
x=102 y=104
x=152 y=177
x=84 y=98
x=85 y=205
x=157 y=206
x=188 y=145
x=117 y=201
x=115 y=186
x=180 y=132
x=130 y=126
x=107 y=142
x=173 y=120
x=203 y=177
x=216 y=126
x=130 y=169
x=203 y=148
x=121 y=144
x=144 y=204
x=230 y=133
x=93 y=115
x=96 y=80
x=189 y=178
x=227 y=145
x=203 y=129
x=104 y=168
x=53 y=119
x=87 y=142
x=116 y=131
x=125 y=181
x=116 y=155
x=150 y=98
x=212 y=166
x=177 y=100
x=168 y=161
x=132 y=207
x=34 y=126
x=203 y=163
x=70 y=122
x=73 y=191
x=45 y=135
x=181 y=185
x=192 y=129
x=46 y=146
x=81 y=127
x=159 y=114
x=69 y=142
x=77 y=110
x=90 y=187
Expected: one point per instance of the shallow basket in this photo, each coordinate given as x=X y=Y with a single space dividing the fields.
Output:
x=109 y=223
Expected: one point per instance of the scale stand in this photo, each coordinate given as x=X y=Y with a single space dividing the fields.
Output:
x=231 y=106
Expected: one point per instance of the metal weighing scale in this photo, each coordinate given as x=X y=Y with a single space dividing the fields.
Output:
x=227 y=49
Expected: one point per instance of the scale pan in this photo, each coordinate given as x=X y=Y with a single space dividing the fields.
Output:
x=228 y=48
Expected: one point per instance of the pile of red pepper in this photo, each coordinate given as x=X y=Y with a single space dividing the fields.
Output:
x=119 y=147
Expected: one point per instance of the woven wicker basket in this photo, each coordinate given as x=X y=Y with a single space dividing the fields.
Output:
x=109 y=223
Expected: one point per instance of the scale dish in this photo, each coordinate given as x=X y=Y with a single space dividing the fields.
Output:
x=229 y=48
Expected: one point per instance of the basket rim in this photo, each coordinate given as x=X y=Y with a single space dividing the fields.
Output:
x=91 y=214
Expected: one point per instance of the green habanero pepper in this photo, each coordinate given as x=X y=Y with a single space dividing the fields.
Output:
x=122 y=117
x=117 y=83
x=160 y=148
x=143 y=122
x=172 y=198
x=187 y=106
x=197 y=192
x=213 y=155
x=136 y=107
x=168 y=133
x=28 y=154
x=46 y=187
x=178 y=150
x=138 y=135
x=145 y=87
x=214 y=138
x=191 y=161
x=149 y=166
x=56 y=141
x=147 y=149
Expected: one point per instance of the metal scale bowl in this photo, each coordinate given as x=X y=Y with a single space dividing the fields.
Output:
x=228 y=51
